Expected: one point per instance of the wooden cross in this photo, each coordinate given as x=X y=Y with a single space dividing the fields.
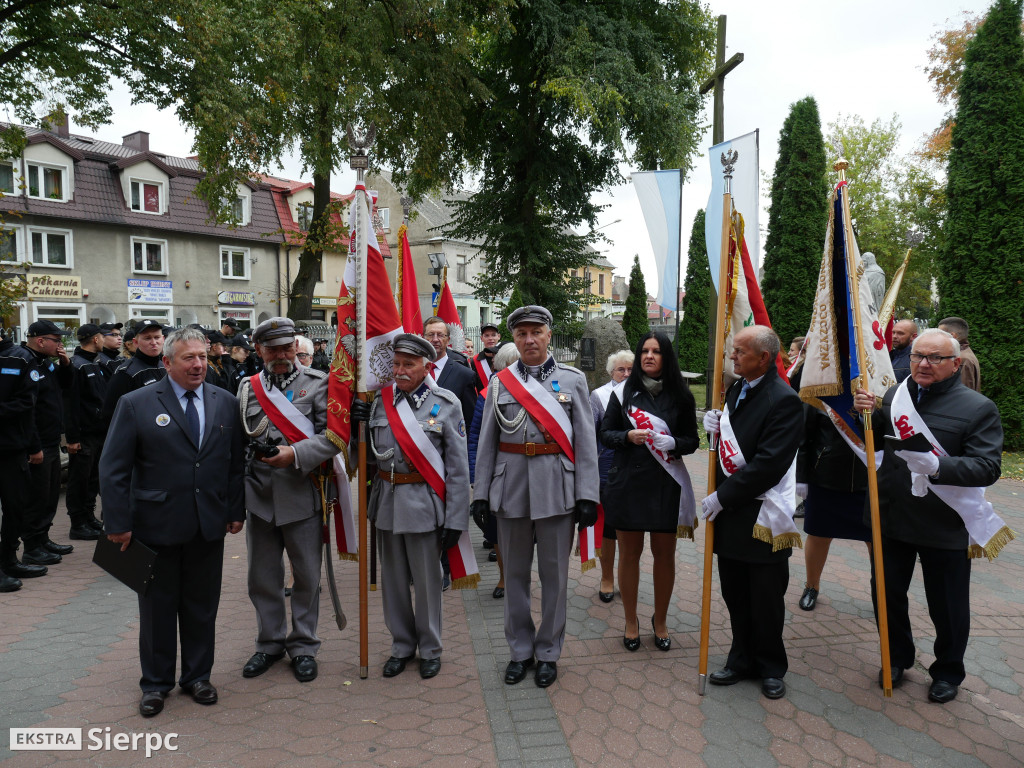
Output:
x=717 y=81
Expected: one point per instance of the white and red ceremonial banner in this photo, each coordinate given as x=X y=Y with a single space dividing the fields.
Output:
x=687 y=519
x=986 y=532
x=296 y=427
x=743 y=190
x=832 y=365
x=888 y=309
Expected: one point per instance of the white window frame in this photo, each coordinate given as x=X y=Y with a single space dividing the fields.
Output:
x=160 y=312
x=19 y=243
x=164 y=256
x=246 y=217
x=45 y=232
x=299 y=208
x=15 y=178
x=246 y=261
x=161 y=195
x=42 y=309
x=461 y=268
x=385 y=218
x=65 y=180
x=236 y=312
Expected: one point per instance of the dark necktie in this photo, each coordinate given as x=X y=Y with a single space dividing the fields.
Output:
x=192 y=416
x=921 y=392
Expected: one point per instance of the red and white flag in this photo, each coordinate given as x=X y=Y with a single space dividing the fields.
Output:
x=447 y=311
x=409 y=297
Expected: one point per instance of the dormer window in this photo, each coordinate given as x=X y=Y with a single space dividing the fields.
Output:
x=47 y=182
x=240 y=210
x=146 y=196
x=305 y=214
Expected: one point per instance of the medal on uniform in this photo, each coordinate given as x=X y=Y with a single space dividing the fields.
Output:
x=558 y=389
x=290 y=395
x=163 y=420
x=433 y=413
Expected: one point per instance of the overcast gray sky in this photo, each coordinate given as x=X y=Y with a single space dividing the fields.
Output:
x=864 y=58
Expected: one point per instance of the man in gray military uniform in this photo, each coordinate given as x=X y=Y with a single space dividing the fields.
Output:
x=415 y=523
x=288 y=404
x=536 y=471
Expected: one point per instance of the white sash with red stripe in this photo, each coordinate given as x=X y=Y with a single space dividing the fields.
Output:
x=296 y=427
x=542 y=407
x=483 y=370
x=418 y=450
x=687 y=518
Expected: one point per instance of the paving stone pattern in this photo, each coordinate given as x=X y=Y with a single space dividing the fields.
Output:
x=68 y=658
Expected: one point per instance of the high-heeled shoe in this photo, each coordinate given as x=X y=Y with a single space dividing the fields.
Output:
x=632 y=644
x=661 y=643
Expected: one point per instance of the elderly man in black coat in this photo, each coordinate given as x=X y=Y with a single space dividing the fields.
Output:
x=766 y=416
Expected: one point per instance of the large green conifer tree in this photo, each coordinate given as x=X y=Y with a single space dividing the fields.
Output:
x=796 y=222
x=692 y=342
x=981 y=270
x=634 y=320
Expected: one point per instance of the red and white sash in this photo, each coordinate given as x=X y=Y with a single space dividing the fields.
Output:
x=774 y=523
x=483 y=370
x=542 y=406
x=296 y=427
x=986 y=531
x=641 y=419
x=418 y=450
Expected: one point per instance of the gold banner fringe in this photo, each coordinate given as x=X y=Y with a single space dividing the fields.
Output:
x=762 y=533
x=597 y=551
x=373 y=587
x=995 y=545
x=808 y=394
x=351 y=556
x=782 y=541
x=466 y=582
x=591 y=563
x=343 y=446
x=684 y=532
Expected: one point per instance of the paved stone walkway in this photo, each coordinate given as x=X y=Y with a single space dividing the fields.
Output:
x=68 y=658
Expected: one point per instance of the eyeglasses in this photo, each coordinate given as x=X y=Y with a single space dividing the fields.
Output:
x=622 y=370
x=932 y=359
x=437 y=335
x=115 y=333
x=303 y=355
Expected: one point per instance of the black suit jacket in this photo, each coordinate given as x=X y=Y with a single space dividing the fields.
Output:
x=461 y=382
x=769 y=428
x=156 y=483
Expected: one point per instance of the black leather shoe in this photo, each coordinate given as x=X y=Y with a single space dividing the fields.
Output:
x=726 y=676
x=396 y=665
x=58 y=549
x=809 y=599
x=941 y=691
x=203 y=692
x=516 y=671
x=773 y=688
x=631 y=644
x=492 y=556
x=498 y=593
x=259 y=663
x=40 y=556
x=305 y=668
x=152 y=703
x=9 y=583
x=897 y=677
x=547 y=673
x=429 y=668
x=92 y=522
x=606 y=597
x=22 y=570
x=84 y=533
x=661 y=643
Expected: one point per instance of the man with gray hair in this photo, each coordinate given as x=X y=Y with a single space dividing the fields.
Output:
x=760 y=432
x=171 y=478
x=970 y=371
x=931 y=503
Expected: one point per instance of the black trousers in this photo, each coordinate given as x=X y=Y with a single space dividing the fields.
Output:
x=84 y=479
x=45 y=493
x=15 y=482
x=182 y=599
x=755 y=594
x=947 y=588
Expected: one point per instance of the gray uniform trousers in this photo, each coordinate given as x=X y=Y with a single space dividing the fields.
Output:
x=267 y=544
x=411 y=556
x=554 y=536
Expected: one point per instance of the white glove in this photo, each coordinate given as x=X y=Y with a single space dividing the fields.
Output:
x=663 y=443
x=801 y=490
x=920 y=462
x=711 y=506
x=919 y=485
x=711 y=419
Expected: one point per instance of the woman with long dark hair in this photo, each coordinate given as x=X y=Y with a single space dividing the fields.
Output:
x=651 y=423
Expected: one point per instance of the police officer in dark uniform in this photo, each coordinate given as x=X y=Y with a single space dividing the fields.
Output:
x=321 y=359
x=84 y=430
x=111 y=347
x=17 y=403
x=52 y=377
x=241 y=362
x=145 y=366
x=216 y=370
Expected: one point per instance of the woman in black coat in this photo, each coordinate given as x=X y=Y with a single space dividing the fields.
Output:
x=640 y=495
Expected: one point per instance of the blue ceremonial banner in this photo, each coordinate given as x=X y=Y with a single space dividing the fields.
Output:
x=832 y=366
x=660 y=196
x=745 y=197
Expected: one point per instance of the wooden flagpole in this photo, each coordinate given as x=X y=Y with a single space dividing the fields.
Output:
x=869 y=442
x=729 y=161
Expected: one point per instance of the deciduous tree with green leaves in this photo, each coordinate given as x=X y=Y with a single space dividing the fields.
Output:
x=981 y=268
x=635 y=322
x=796 y=221
x=575 y=89
x=692 y=341
x=515 y=301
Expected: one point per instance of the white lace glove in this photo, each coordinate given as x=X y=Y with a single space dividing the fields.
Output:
x=801 y=490
x=663 y=443
x=711 y=419
x=920 y=462
x=711 y=506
